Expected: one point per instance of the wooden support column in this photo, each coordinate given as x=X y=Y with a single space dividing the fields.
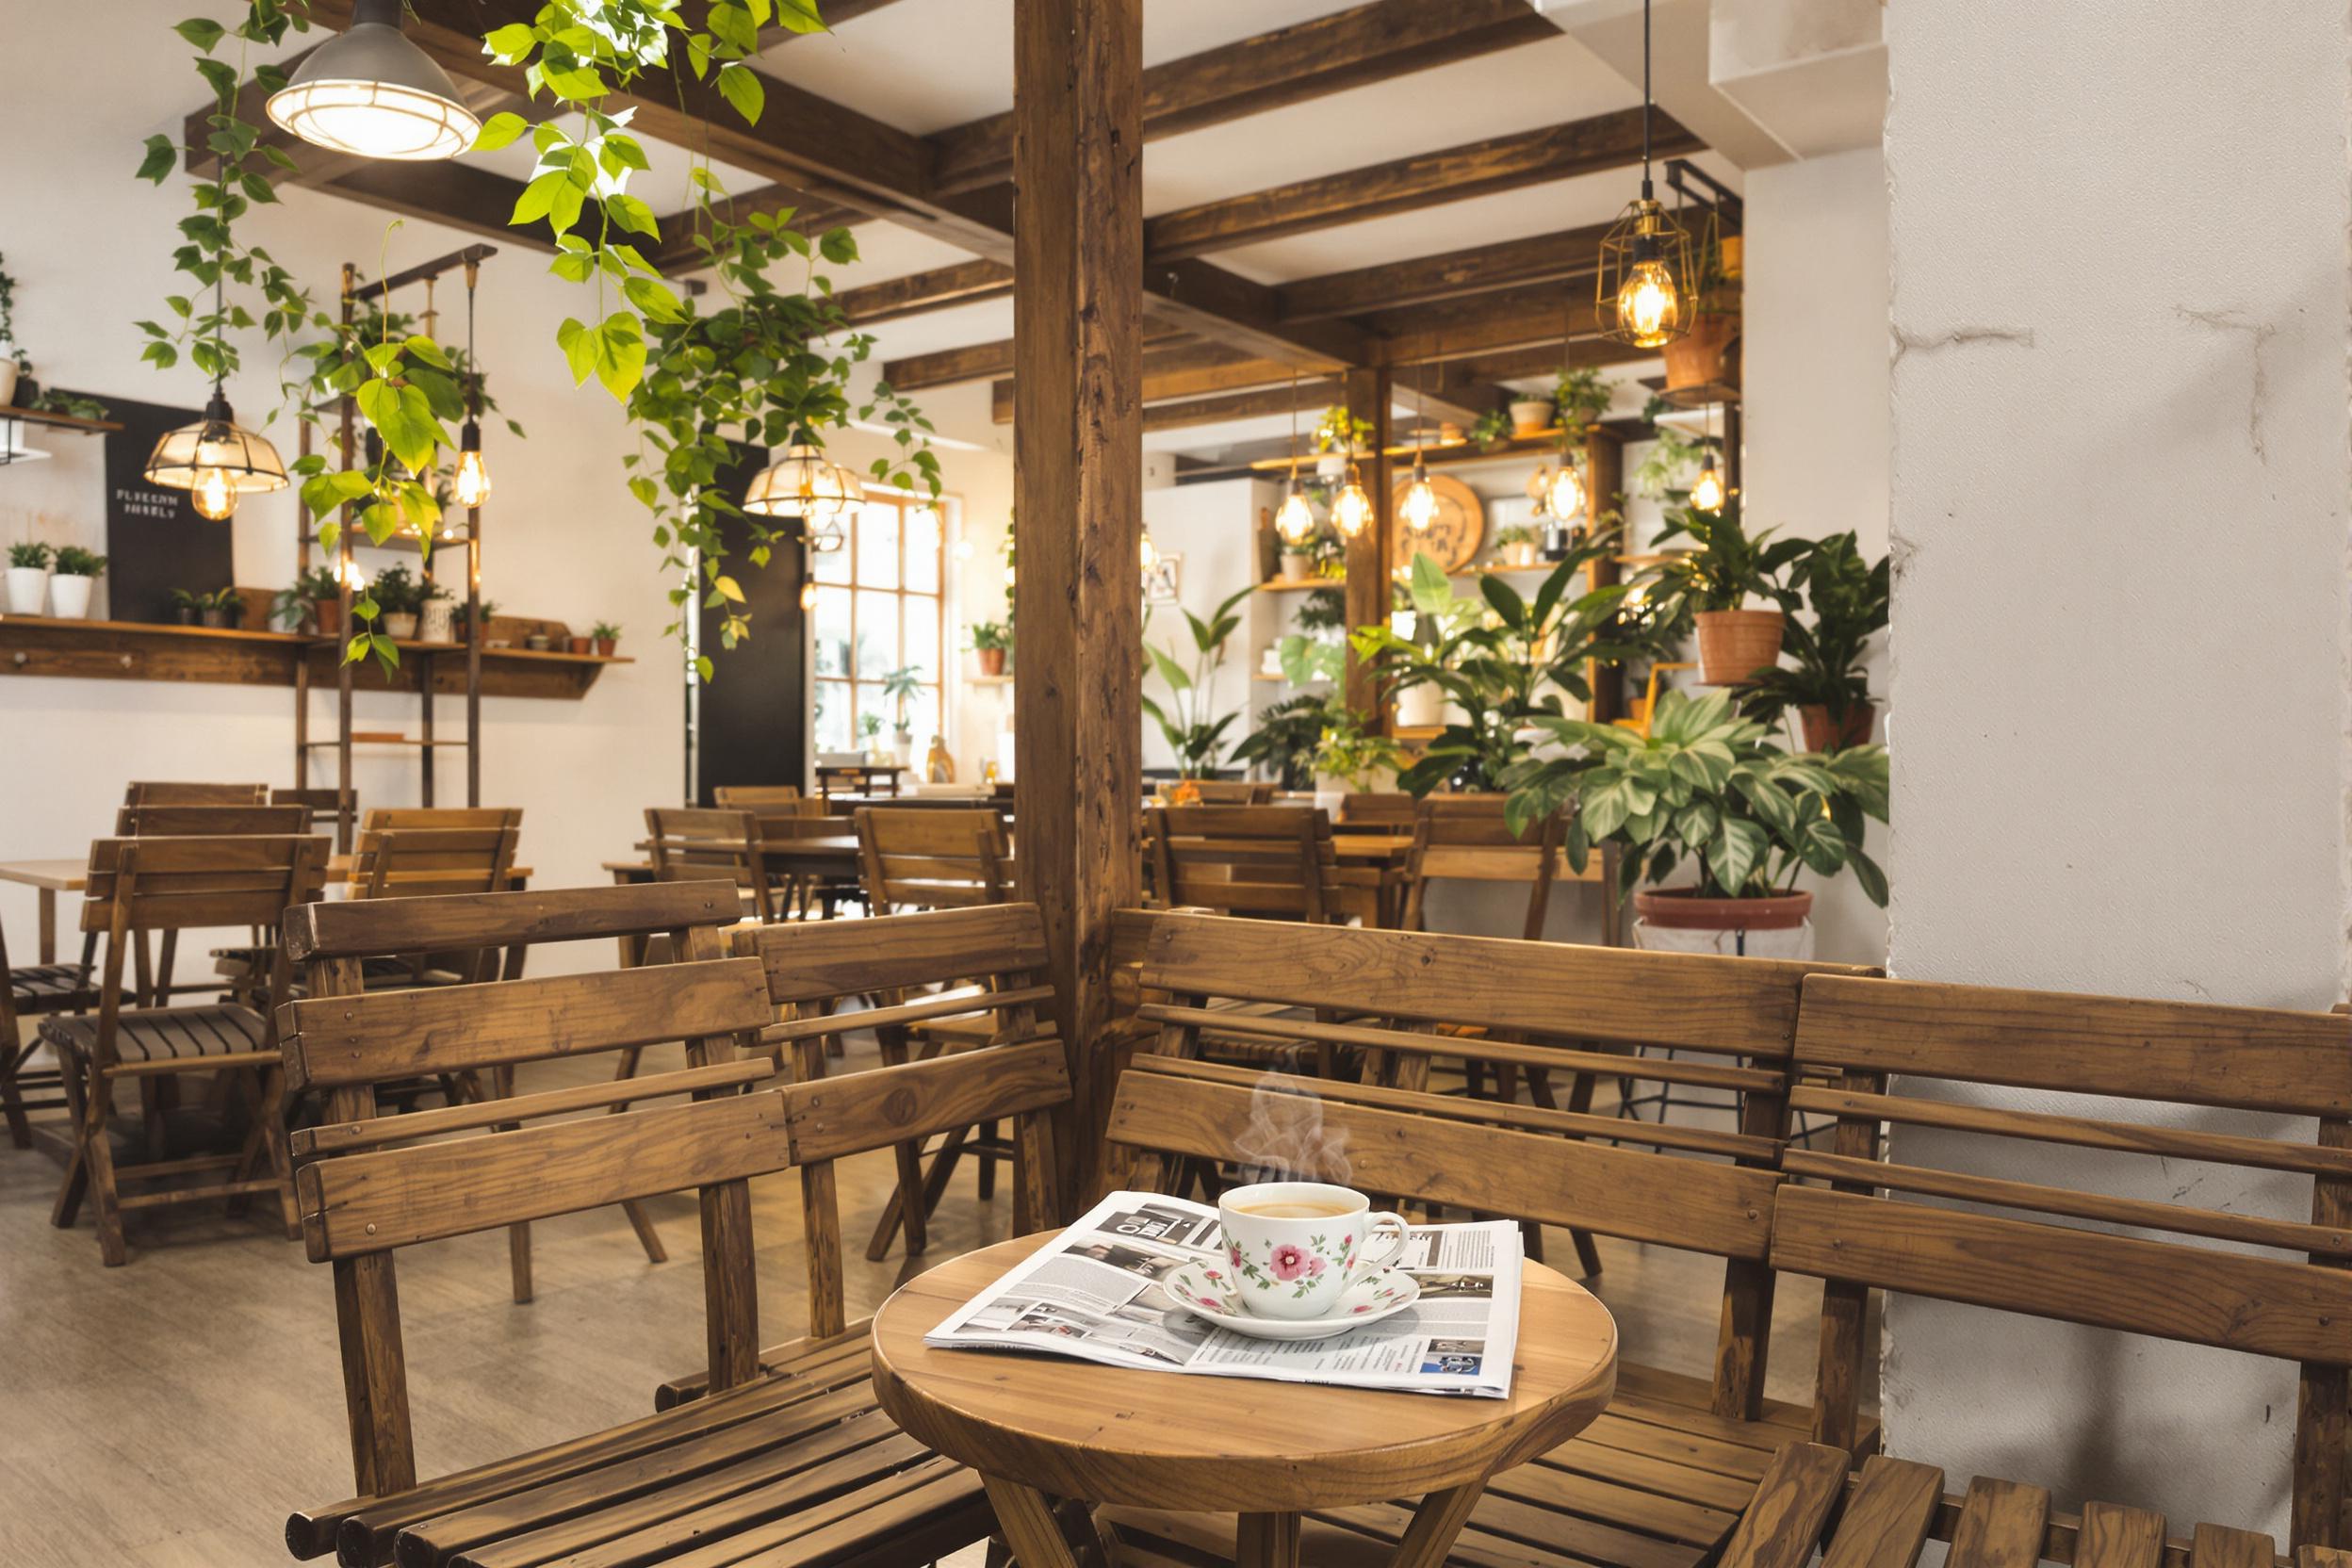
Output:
x=1078 y=485
x=1369 y=397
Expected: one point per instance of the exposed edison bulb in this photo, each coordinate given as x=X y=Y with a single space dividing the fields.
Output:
x=473 y=479
x=1649 y=308
x=1351 y=510
x=1150 y=552
x=1294 y=519
x=809 y=594
x=1564 y=494
x=215 y=497
x=1420 y=505
x=1707 y=491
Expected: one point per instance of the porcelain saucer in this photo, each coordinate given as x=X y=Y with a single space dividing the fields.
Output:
x=1206 y=1291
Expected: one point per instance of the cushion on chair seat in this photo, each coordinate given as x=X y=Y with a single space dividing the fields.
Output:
x=164 y=1034
x=49 y=986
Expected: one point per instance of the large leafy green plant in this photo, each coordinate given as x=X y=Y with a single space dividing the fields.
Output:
x=1708 y=786
x=1502 y=659
x=1316 y=732
x=1727 y=566
x=1846 y=601
x=1192 y=732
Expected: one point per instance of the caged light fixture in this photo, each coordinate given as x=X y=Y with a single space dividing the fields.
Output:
x=372 y=92
x=1293 y=520
x=1644 y=292
x=804 y=486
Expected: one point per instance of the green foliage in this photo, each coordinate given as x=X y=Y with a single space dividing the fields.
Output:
x=1185 y=722
x=227 y=599
x=869 y=727
x=489 y=608
x=1672 y=460
x=1318 y=732
x=1515 y=534
x=1502 y=659
x=397 y=592
x=73 y=561
x=900 y=686
x=1581 y=397
x=985 y=635
x=33 y=556
x=1491 y=430
x=1729 y=568
x=1846 y=599
x=1707 y=785
x=1338 y=430
x=69 y=404
x=1285 y=741
x=290 y=606
x=606 y=631
x=1323 y=609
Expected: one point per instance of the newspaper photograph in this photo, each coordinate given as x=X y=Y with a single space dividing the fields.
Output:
x=1097 y=1292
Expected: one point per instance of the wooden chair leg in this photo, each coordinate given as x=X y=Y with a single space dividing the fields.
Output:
x=98 y=1160
x=75 y=1182
x=518 y=1235
x=988 y=1162
x=255 y=1148
x=12 y=1059
x=272 y=1112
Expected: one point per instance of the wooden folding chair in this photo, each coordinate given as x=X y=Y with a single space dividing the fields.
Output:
x=180 y=793
x=1267 y=862
x=1390 y=809
x=693 y=844
x=35 y=990
x=173 y=884
x=1234 y=792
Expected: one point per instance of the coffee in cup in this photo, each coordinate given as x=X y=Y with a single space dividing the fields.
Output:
x=1295 y=1246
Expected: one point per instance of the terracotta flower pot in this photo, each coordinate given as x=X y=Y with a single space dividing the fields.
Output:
x=326 y=615
x=991 y=660
x=1736 y=645
x=1530 y=415
x=605 y=646
x=1821 y=734
x=1683 y=910
x=578 y=645
x=1708 y=353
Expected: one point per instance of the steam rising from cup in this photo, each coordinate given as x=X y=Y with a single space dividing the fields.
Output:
x=1286 y=1139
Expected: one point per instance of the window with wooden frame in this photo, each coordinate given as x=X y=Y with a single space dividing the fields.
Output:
x=881 y=606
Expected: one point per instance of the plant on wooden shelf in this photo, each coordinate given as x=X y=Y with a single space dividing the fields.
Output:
x=990 y=642
x=397 y=596
x=577 y=645
x=223 y=606
x=607 y=637
x=28 y=575
x=314 y=603
x=1706 y=354
x=1517 y=543
x=1715 y=583
x=1284 y=746
x=1530 y=415
x=1490 y=431
x=870 y=732
x=78 y=571
x=1315 y=739
x=1666 y=469
x=1501 y=659
x=1186 y=722
x=436 y=613
x=1847 y=597
x=12 y=359
x=1323 y=609
x=1581 y=397
x=1709 y=787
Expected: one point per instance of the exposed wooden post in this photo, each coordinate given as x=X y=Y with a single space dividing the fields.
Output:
x=1078 y=485
x=1368 y=553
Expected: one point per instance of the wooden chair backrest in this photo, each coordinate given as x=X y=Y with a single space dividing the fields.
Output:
x=322 y=803
x=959 y=964
x=178 y=793
x=1463 y=839
x=1390 y=809
x=1535 y=1006
x=692 y=843
x=2158 y=1281
x=1268 y=862
x=753 y=798
x=1234 y=792
x=933 y=858
x=200 y=821
x=410 y=854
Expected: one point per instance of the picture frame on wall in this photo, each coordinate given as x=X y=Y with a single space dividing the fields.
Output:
x=1163 y=579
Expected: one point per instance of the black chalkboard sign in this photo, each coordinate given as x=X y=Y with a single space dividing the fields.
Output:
x=754 y=721
x=155 y=539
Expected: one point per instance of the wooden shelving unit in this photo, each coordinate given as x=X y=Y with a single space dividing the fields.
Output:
x=55 y=421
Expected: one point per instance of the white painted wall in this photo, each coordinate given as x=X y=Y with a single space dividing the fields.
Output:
x=1214 y=527
x=2119 y=482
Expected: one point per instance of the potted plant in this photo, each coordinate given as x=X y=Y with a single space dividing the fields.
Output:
x=1581 y=397
x=187 y=606
x=901 y=687
x=218 y=608
x=28 y=577
x=607 y=636
x=537 y=641
x=1530 y=415
x=462 y=623
x=1338 y=434
x=1707 y=354
x=870 y=732
x=990 y=640
x=1518 y=543
x=1186 y=722
x=1709 y=787
x=399 y=597
x=1501 y=659
x=577 y=645
x=1298 y=561
x=1284 y=746
x=78 y=571
x=315 y=602
x=1846 y=599
x=1714 y=583
x=1490 y=431
x=436 y=612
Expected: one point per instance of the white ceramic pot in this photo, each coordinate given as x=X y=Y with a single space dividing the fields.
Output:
x=27 y=585
x=1521 y=553
x=7 y=373
x=1297 y=566
x=1530 y=415
x=400 y=627
x=1420 y=708
x=70 y=595
x=438 y=624
x=903 y=746
x=1331 y=466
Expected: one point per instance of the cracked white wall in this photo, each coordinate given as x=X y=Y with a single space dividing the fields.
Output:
x=2119 y=485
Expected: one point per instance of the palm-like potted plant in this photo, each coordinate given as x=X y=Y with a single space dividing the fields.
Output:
x=28 y=577
x=1706 y=786
x=900 y=687
x=1501 y=659
x=1191 y=730
x=1715 y=581
x=77 y=573
x=1846 y=600
x=607 y=636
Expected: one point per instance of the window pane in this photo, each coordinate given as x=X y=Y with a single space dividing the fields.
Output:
x=922 y=550
x=923 y=711
x=832 y=631
x=878 y=546
x=833 y=716
x=872 y=707
x=877 y=634
x=922 y=634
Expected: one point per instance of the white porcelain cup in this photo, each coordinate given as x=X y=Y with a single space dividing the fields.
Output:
x=1295 y=1246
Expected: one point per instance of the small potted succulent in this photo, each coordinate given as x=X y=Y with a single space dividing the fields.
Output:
x=399 y=598
x=1297 y=561
x=990 y=640
x=28 y=577
x=314 y=603
x=607 y=636
x=216 y=610
x=1518 y=543
x=78 y=571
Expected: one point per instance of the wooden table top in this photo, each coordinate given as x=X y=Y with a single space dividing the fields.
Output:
x=56 y=877
x=1111 y=1435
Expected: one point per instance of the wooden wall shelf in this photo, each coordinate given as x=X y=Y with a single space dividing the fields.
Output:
x=141 y=651
x=55 y=421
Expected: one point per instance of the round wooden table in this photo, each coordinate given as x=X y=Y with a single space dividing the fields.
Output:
x=1041 y=1426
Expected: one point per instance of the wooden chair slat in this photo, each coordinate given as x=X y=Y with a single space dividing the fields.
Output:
x=958 y=1002
x=343 y=1040
x=2110 y=1536
x=1792 y=1503
x=1726 y=1210
x=2238 y=1302
x=827 y=958
x=497 y=919
x=179 y=793
x=835 y=1116
x=2220 y=1546
x=148 y=821
x=2001 y=1526
x=1886 y=1520
x=342 y=1136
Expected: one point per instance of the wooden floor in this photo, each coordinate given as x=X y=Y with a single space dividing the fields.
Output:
x=171 y=1413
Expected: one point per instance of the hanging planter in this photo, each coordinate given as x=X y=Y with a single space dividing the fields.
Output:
x=1707 y=354
x=1736 y=646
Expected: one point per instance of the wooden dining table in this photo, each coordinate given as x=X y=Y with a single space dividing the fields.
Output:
x=1039 y=1428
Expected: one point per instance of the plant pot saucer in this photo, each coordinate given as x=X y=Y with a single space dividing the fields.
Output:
x=1684 y=910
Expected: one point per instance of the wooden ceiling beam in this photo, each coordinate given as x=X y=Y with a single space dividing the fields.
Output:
x=1290 y=65
x=983 y=361
x=966 y=282
x=1526 y=317
x=1424 y=280
x=1590 y=146
x=470 y=200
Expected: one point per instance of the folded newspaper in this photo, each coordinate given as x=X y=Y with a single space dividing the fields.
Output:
x=1097 y=1291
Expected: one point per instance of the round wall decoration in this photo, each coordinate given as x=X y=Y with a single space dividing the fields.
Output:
x=1456 y=534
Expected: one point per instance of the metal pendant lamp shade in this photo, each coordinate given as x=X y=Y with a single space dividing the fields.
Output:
x=1645 y=291
x=803 y=484
x=218 y=459
x=374 y=93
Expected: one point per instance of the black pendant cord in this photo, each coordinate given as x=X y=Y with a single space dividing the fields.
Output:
x=1646 y=100
x=1294 y=426
x=473 y=364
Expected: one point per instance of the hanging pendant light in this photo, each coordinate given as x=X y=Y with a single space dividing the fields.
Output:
x=1293 y=520
x=473 y=469
x=1420 y=505
x=1564 y=494
x=809 y=594
x=1643 y=294
x=1147 y=550
x=1707 y=491
x=803 y=484
x=1351 y=509
x=373 y=93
